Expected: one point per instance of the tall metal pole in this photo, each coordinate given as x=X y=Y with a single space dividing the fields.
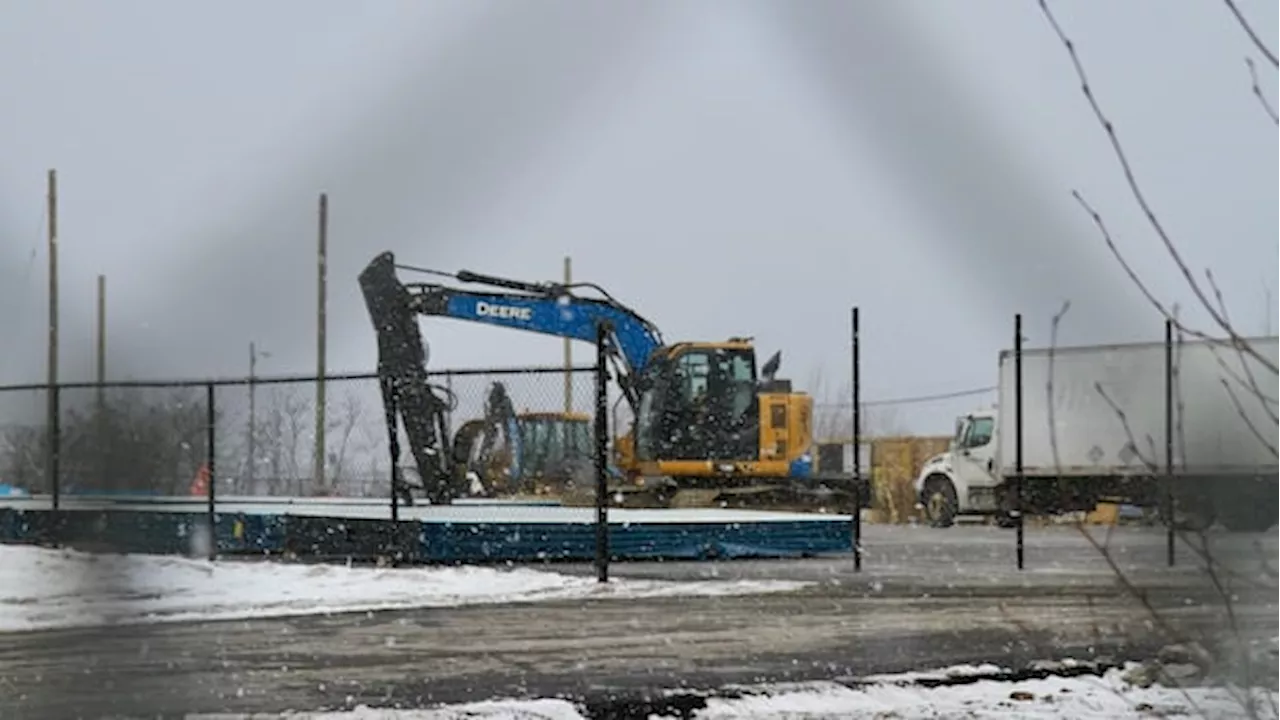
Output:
x=322 y=251
x=52 y=420
x=253 y=419
x=857 y=446
x=1017 y=441
x=1168 y=442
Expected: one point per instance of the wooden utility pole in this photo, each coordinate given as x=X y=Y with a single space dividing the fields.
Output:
x=52 y=419
x=322 y=251
x=568 y=352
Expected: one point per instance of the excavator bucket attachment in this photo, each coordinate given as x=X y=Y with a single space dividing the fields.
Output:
x=406 y=388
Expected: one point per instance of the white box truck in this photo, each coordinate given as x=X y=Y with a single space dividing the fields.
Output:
x=1094 y=429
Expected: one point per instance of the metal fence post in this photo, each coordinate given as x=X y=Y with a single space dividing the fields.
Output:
x=393 y=447
x=1017 y=441
x=602 y=449
x=54 y=469
x=212 y=464
x=857 y=447
x=1169 y=499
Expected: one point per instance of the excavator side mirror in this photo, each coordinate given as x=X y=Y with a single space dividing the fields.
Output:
x=770 y=369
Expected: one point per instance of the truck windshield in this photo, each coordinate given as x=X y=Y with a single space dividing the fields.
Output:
x=978 y=432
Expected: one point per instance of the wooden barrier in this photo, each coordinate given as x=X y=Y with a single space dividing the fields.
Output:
x=894 y=463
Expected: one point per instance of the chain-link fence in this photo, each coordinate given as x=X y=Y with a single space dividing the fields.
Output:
x=24 y=441
x=102 y=440
x=267 y=442
x=271 y=464
x=257 y=437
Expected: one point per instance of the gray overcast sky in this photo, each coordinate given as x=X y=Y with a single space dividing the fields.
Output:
x=726 y=168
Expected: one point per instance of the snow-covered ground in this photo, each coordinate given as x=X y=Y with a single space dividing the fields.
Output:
x=1107 y=697
x=42 y=588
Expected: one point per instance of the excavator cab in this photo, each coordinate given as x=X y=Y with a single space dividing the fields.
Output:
x=706 y=415
x=554 y=440
x=698 y=401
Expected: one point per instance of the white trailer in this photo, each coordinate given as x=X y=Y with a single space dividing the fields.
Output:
x=1094 y=428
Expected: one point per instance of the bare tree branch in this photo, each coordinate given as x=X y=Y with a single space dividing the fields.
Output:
x=350 y=415
x=1223 y=579
x=1055 y=324
x=1141 y=199
x=1253 y=35
x=1257 y=92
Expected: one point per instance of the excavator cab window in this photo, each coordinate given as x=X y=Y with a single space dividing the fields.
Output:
x=536 y=438
x=699 y=404
x=693 y=371
x=545 y=442
x=653 y=385
x=578 y=435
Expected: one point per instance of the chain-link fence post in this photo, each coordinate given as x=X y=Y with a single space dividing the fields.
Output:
x=211 y=454
x=54 y=465
x=857 y=443
x=601 y=453
x=1169 y=501
x=1017 y=439
x=393 y=445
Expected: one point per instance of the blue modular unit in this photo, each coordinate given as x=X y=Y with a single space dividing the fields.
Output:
x=166 y=529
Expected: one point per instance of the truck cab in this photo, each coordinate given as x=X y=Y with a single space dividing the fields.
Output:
x=965 y=479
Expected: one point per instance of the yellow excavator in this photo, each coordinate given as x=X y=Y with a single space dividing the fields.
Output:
x=709 y=427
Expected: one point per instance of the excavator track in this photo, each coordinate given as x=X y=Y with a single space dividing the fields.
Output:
x=833 y=495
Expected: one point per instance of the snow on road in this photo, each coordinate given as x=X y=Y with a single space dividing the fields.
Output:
x=42 y=588
x=1107 y=697
x=1081 y=698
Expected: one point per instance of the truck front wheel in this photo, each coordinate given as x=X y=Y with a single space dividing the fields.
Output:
x=940 y=503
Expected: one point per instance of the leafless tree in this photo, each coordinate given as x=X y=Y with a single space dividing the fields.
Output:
x=284 y=437
x=129 y=442
x=1243 y=387
x=348 y=427
x=833 y=417
x=281 y=428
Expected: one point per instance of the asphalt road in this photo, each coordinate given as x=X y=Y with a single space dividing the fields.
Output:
x=926 y=598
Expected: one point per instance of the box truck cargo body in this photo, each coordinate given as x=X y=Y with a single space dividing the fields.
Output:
x=1095 y=426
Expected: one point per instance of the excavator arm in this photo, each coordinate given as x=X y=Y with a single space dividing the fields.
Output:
x=544 y=308
x=475 y=441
